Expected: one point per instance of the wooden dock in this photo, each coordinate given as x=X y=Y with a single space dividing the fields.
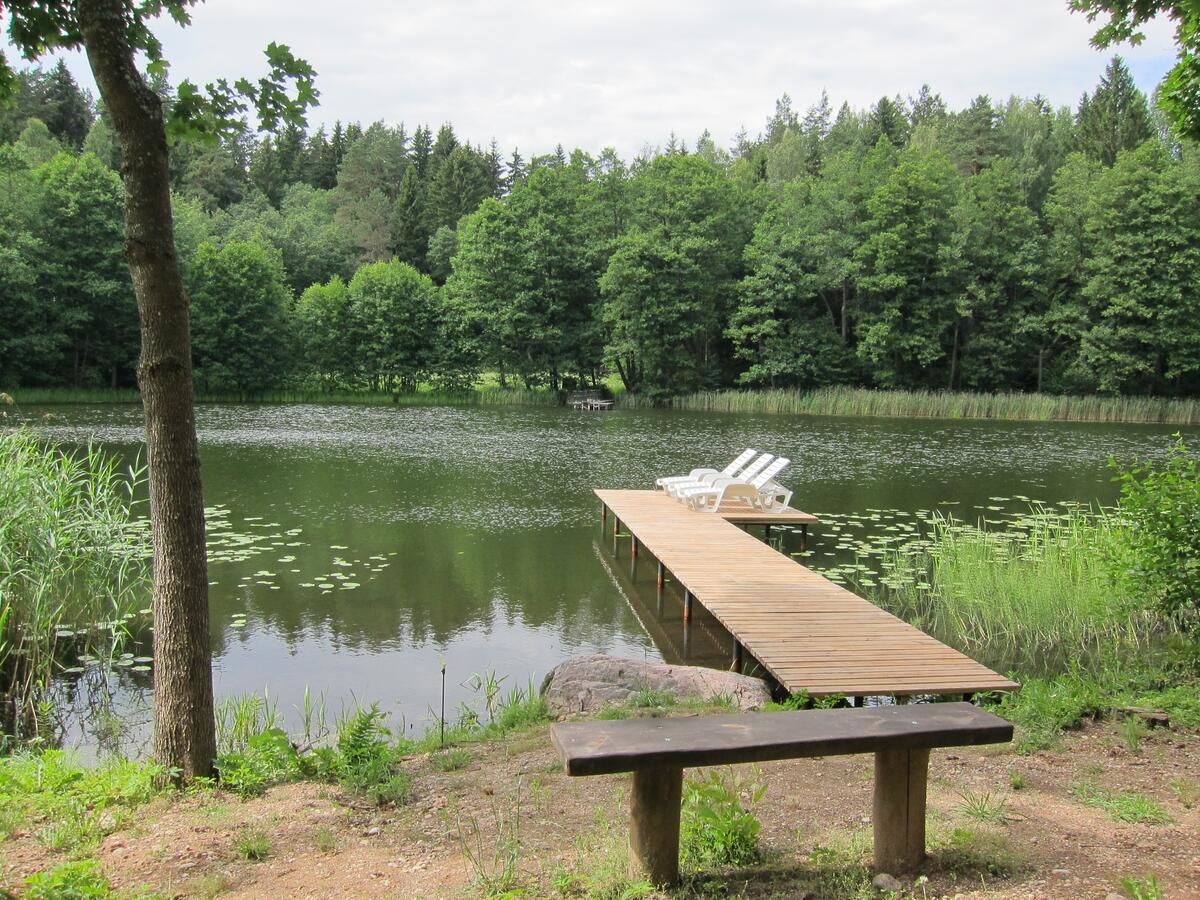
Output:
x=807 y=632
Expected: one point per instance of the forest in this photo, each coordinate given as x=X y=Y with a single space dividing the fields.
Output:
x=1004 y=246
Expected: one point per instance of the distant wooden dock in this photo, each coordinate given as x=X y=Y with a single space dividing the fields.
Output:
x=807 y=632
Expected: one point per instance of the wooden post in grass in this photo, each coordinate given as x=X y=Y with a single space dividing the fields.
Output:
x=899 y=809
x=654 y=804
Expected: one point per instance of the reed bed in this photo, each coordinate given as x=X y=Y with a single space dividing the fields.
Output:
x=849 y=401
x=72 y=569
x=1039 y=593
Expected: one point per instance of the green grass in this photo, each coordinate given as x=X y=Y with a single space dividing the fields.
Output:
x=833 y=401
x=69 y=881
x=1122 y=806
x=252 y=844
x=480 y=395
x=1036 y=594
x=70 y=807
x=984 y=806
x=850 y=401
x=72 y=567
x=451 y=760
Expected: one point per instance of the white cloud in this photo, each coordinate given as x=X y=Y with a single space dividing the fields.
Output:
x=533 y=74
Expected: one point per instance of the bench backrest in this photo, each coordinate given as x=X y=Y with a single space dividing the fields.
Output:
x=603 y=747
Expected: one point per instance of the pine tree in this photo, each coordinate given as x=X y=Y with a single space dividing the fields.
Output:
x=1115 y=118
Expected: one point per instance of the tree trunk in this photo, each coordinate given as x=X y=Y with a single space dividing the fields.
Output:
x=184 y=729
x=1041 y=357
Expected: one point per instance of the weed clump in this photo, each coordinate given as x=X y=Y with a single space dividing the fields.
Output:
x=718 y=825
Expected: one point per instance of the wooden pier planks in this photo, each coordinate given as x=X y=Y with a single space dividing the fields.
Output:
x=808 y=632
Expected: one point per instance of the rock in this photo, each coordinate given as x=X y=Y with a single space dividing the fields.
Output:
x=887 y=883
x=587 y=683
x=1060 y=871
x=1112 y=896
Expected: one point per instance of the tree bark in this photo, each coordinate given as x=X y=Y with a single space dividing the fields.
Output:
x=184 y=729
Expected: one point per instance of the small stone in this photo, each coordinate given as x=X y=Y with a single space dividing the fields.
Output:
x=1113 y=896
x=885 y=882
x=371 y=832
x=1060 y=871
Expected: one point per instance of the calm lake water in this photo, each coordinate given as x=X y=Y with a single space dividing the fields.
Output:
x=354 y=550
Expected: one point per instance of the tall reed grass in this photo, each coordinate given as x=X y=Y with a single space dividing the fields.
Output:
x=1041 y=595
x=849 y=401
x=72 y=570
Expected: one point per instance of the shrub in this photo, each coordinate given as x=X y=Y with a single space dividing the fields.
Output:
x=718 y=826
x=1162 y=504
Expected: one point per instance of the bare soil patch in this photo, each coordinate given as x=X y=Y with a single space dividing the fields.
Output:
x=511 y=812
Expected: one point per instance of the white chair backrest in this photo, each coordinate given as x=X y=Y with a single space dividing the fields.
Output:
x=770 y=472
x=755 y=467
x=739 y=462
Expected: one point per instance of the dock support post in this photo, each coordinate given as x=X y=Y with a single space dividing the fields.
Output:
x=687 y=606
x=899 y=809
x=616 y=527
x=654 y=804
x=767 y=533
x=803 y=538
x=634 y=544
x=661 y=576
x=603 y=513
x=857 y=701
x=737 y=656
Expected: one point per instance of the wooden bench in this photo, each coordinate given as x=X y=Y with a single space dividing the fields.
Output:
x=657 y=750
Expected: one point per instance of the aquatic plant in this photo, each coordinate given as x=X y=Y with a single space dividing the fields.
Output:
x=850 y=401
x=1039 y=590
x=72 y=567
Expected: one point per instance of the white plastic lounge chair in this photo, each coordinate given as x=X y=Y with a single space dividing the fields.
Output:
x=684 y=491
x=730 y=490
x=696 y=474
x=682 y=488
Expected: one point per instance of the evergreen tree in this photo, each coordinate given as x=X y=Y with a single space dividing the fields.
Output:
x=927 y=108
x=409 y=237
x=1115 y=118
x=972 y=136
x=68 y=109
x=1144 y=230
x=514 y=173
x=886 y=119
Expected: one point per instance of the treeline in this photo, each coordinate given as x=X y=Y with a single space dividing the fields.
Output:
x=999 y=247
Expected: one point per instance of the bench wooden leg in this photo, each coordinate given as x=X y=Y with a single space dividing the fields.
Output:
x=899 y=809
x=654 y=824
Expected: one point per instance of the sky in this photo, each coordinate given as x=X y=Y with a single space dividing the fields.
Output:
x=628 y=73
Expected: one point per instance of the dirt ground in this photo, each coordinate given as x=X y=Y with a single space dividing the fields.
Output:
x=511 y=812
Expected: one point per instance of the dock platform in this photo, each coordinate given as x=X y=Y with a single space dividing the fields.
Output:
x=807 y=632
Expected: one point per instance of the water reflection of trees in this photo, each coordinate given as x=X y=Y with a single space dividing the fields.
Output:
x=441 y=583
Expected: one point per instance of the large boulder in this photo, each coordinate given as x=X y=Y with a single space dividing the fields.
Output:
x=586 y=683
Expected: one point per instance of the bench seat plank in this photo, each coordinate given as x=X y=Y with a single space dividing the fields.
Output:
x=605 y=747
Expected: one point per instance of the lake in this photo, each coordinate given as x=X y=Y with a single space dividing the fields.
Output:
x=355 y=549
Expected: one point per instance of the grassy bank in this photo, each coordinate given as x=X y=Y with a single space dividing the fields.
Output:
x=848 y=401
x=483 y=395
x=1050 y=593
x=835 y=401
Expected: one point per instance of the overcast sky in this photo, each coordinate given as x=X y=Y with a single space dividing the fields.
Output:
x=629 y=72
